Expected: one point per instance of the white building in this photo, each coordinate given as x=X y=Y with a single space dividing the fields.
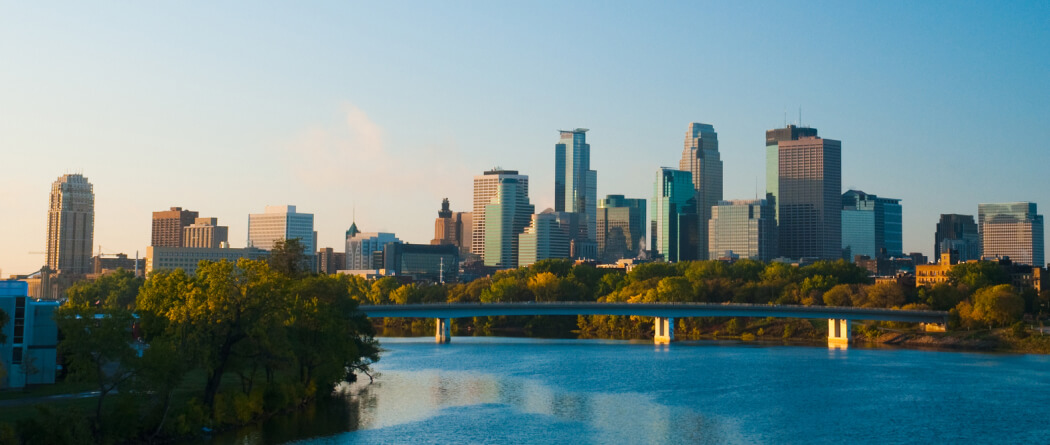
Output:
x=364 y=250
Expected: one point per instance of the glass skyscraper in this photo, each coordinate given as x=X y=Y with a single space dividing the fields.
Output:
x=1012 y=230
x=486 y=187
x=283 y=223
x=674 y=230
x=809 y=199
x=506 y=216
x=743 y=229
x=871 y=226
x=575 y=184
x=548 y=236
x=958 y=233
x=621 y=227
x=701 y=159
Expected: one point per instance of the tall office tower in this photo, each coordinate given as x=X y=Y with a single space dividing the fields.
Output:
x=506 y=216
x=70 y=225
x=809 y=198
x=871 y=226
x=546 y=237
x=743 y=229
x=958 y=233
x=575 y=184
x=621 y=227
x=1012 y=229
x=700 y=158
x=485 y=188
x=452 y=228
x=282 y=223
x=329 y=261
x=168 y=225
x=675 y=228
x=773 y=138
x=364 y=250
x=205 y=232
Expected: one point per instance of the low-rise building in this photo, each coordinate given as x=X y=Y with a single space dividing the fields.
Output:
x=932 y=274
x=187 y=258
x=29 y=355
x=422 y=262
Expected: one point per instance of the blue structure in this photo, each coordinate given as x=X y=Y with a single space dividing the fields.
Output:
x=675 y=226
x=871 y=226
x=28 y=353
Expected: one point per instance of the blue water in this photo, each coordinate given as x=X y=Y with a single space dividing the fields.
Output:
x=504 y=390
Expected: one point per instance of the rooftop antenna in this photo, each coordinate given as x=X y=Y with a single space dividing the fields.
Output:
x=785 y=117
x=800 y=115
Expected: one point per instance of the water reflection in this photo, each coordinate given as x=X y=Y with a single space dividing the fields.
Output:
x=402 y=397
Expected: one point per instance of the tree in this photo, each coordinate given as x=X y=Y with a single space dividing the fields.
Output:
x=674 y=289
x=978 y=274
x=289 y=257
x=545 y=286
x=997 y=305
x=223 y=307
x=97 y=345
x=882 y=295
x=840 y=295
x=114 y=290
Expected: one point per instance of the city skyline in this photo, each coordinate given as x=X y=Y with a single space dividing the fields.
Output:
x=142 y=142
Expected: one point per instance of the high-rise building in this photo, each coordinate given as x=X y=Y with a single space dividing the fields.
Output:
x=773 y=138
x=575 y=184
x=809 y=198
x=486 y=187
x=871 y=226
x=675 y=229
x=958 y=233
x=283 y=223
x=743 y=229
x=205 y=232
x=329 y=261
x=168 y=225
x=1012 y=229
x=506 y=216
x=700 y=158
x=453 y=228
x=621 y=228
x=364 y=250
x=70 y=225
x=548 y=236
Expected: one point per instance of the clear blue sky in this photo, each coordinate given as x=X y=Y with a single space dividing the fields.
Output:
x=390 y=106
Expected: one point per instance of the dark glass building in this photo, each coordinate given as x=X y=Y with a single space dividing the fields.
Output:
x=958 y=233
x=809 y=198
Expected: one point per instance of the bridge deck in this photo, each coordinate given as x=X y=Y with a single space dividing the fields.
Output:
x=675 y=310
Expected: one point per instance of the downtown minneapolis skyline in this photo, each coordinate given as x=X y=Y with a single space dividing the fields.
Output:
x=387 y=108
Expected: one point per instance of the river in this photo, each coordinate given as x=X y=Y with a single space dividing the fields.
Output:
x=523 y=390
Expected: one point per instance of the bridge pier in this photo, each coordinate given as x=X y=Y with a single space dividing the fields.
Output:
x=443 y=332
x=663 y=330
x=838 y=332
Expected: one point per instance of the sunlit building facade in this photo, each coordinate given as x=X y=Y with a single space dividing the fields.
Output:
x=506 y=216
x=773 y=138
x=809 y=199
x=486 y=187
x=743 y=229
x=1013 y=230
x=70 y=225
x=701 y=159
x=575 y=184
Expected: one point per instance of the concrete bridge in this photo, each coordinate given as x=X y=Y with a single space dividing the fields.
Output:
x=664 y=313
